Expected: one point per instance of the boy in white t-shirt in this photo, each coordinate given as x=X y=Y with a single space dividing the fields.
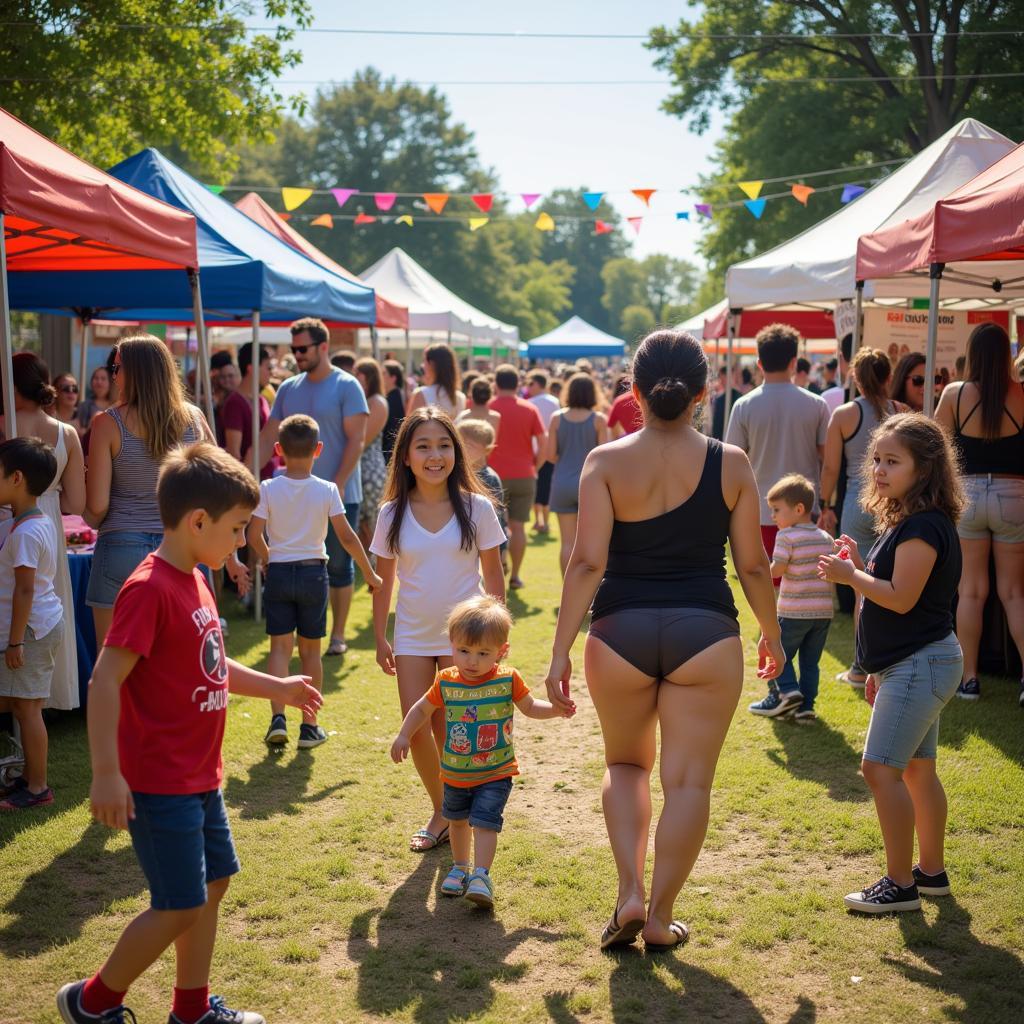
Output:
x=31 y=615
x=295 y=508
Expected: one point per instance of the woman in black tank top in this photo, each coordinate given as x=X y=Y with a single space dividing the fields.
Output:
x=655 y=510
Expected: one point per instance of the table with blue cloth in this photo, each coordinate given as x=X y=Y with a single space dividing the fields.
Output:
x=80 y=565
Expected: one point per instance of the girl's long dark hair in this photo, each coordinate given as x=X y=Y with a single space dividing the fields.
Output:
x=988 y=369
x=446 y=369
x=462 y=481
x=905 y=368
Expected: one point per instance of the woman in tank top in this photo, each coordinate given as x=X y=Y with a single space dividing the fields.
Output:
x=440 y=382
x=984 y=413
x=573 y=433
x=128 y=444
x=655 y=510
x=849 y=436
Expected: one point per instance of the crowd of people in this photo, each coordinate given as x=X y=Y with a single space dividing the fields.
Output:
x=429 y=486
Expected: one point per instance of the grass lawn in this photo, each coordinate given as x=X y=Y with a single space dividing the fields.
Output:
x=333 y=919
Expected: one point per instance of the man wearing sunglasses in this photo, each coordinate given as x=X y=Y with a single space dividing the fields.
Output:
x=335 y=399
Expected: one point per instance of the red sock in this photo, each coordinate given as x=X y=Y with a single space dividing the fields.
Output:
x=97 y=998
x=190 y=1003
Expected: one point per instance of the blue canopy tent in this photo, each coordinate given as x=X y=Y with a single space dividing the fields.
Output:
x=573 y=340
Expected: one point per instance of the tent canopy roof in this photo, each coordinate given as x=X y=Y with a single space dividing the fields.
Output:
x=432 y=307
x=820 y=263
x=714 y=321
x=61 y=213
x=573 y=339
x=389 y=314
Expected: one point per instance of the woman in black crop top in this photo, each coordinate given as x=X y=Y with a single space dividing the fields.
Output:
x=984 y=414
x=655 y=510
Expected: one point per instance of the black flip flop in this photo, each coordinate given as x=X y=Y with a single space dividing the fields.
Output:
x=681 y=932
x=616 y=934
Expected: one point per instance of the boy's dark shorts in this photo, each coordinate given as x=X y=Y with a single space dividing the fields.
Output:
x=295 y=598
x=183 y=841
x=482 y=804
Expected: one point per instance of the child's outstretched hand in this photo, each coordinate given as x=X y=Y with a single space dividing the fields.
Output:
x=852 y=548
x=373 y=582
x=110 y=800
x=773 y=656
x=299 y=692
x=400 y=748
x=239 y=575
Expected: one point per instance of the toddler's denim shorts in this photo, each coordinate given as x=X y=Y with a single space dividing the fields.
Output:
x=295 y=597
x=482 y=804
x=183 y=841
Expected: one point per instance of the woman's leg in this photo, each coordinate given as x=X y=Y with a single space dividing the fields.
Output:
x=696 y=703
x=1009 y=560
x=929 y=799
x=101 y=619
x=626 y=701
x=895 y=816
x=973 y=593
x=567 y=537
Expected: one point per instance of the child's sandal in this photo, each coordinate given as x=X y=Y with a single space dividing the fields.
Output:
x=455 y=881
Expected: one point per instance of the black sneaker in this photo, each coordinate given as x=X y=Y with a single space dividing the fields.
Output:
x=218 y=1013
x=69 y=1006
x=776 y=703
x=277 y=734
x=931 y=885
x=969 y=689
x=311 y=736
x=884 y=897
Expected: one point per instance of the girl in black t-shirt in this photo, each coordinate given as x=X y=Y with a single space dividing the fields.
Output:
x=905 y=640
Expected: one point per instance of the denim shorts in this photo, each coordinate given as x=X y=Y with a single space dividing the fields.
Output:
x=116 y=557
x=183 y=841
x=995 y=507
x=911 y=695
x=482 y=804
x=341 y=572
x=295 y=599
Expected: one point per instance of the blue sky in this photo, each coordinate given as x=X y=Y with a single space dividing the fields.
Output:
x=538 y=138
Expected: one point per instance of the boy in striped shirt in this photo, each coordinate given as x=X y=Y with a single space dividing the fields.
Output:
x=805 y=601
x=478 y=761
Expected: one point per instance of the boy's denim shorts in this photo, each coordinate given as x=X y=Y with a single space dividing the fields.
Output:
x=295 y=598
x=482 y=804
x=183 y=841
x=116 y=556
x=911 y=695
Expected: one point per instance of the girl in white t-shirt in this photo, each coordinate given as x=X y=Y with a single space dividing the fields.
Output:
x=437 y=530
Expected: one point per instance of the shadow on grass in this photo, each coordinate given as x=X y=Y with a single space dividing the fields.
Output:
x=55 y=902
x=434 y=964
x=996 y=718
x=979 y=981
x=818 y=753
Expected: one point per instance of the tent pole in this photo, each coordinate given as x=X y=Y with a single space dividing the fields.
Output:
x=375 y=343
x=850 y=384
x=935 y=273
x=83 y=352
x=408 y=354
x=6 y=340
x=202 y=349
x=734 y=322
x=254 y=364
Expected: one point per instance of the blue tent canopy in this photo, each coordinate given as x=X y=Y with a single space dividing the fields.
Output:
x=573 y=340
x=243 y=268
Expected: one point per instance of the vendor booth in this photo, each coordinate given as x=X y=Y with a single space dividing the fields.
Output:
x=575 y=339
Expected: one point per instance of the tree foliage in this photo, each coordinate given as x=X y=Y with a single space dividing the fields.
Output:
x=107 y=77
x=661 y=287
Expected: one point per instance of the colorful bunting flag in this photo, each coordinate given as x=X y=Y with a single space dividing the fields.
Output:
x=644 y=194
x=404 y=219
x=756 y=206
x=283 y=215
x=801 y=193
x=704 y=209
x=216 y=189
x=436 y=200
x=529 y=198
x=602 y=228
x=850 y=192
x=683 y=215
x=593 y=199
x=363 y=218
x=343 y=195
x=544 y=222
x=476 y=223
x=483 y=201
x=384 y=200
x=293 y=198
x=635 y=223
x=752 y=189
x=325 y=220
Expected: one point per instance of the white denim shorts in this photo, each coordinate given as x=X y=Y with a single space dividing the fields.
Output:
x=995 y=508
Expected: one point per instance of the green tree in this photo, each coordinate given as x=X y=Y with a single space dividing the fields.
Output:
x=671 y=285
x=625 y=285
x=107 y=77
x=911 y=70
x=635 y=322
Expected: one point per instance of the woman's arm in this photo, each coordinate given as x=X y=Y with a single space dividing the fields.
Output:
x=944 y=414
x=72 y=481
x=913 y=565
x=492 y=573
x=833 y=460
x=416 y=401
x=381 y=609
x=378 y=418
x=101 y=467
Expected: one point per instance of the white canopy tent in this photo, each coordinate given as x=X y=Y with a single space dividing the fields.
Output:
x=573 y=340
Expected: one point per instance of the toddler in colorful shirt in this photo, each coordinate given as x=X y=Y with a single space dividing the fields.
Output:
x=477 y=695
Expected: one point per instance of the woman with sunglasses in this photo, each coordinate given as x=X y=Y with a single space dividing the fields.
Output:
x=908 y=381
x=102 y=397
x=65 y=408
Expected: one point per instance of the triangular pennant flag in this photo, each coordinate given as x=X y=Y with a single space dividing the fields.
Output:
x=325 y=220
x=593 y=199
x=755 y=206
x=644 y=194
x=404 y=219
x=602 y=228
x=293 y=198
x=436 y=200
x=850 y=192
x=529 y=198
x=801 y=193
x=483 y=200
x=216 y=189
x=343 y=195
x=704 y=209
x=635 y=223
x=752 y=188
x=363 y=218
x=683 y=215
x=476 y=223
x=284 y=216
x=384 y=200
x=544 y=222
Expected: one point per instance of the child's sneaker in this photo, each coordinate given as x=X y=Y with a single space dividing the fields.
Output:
x=969 y=689
x=480 y=890
x=218 y=1013
x=22 y=798
x=311 y=736
x=884 y=897
x=455 y=881
x=69 y=1006
x=807 y=715
x=931 y=885
x=776 y=703
x=18 y=782
x=277 y=734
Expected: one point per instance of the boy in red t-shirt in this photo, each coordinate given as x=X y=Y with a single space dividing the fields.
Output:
x=157 y=705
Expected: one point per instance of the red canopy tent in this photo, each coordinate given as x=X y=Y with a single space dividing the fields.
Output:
x=811 y=323
x=389 y=314
x=59 y=213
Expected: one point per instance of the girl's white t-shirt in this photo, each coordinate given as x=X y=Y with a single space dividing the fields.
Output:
x=31 y=544
x=434 y=573
x=297 y=514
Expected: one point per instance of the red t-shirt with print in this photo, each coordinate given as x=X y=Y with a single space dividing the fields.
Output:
x=626 y=413
x=174 y=701
x=513 y=457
